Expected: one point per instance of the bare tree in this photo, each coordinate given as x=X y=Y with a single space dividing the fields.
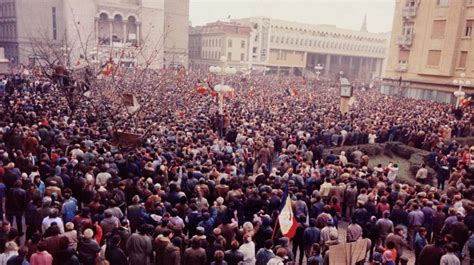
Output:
x=109 y=88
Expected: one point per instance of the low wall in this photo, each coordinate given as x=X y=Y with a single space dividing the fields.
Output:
x=416 y=157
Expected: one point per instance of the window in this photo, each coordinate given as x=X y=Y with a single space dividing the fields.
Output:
x=242 y=44
x=433 y=57
x=462 y=59
x=271 y=39
x=229 y=43
x=254 y=50
x=438 y=29
x=229 y=56
x=442 y=2
x=408 y=28
x=468 y=29
x=403 y=57
x=242 y=56
x=55 y=28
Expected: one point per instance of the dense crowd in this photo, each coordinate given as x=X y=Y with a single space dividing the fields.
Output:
x=206 y=189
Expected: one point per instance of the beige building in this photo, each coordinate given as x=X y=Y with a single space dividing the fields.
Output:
x=176 y=32
x=431 y=46
x=208 y=43
x=98 y=29
x=287 y=47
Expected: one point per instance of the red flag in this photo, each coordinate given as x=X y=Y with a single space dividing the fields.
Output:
x=107 y=69
x=201 y=90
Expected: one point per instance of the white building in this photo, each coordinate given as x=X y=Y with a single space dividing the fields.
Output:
x=287 y=47
x=129 y=31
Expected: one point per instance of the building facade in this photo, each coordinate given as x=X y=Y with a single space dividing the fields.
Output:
x=207 y=44
x=431 y=45
x=128 y=31
x=288 y=48
x=176 y=32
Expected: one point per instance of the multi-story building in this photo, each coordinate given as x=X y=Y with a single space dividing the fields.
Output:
x=431 y=46
x=129 y=31
x=286 y=47
x=176 y=32
x=207 y=44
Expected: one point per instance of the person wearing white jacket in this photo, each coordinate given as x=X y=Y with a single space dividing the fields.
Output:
x=248 y=249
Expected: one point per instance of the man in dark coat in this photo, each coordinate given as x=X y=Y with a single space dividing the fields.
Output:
x=196 y=255
x=431 y=254
x=172 y=252
x=114 y=254
x=16 y=202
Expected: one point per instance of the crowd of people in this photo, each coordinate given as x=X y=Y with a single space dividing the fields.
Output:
x=203 y=188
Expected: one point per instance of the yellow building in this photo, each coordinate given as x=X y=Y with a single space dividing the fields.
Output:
x=431 y=46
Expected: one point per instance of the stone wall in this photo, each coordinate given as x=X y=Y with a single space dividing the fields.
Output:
x=416 y=157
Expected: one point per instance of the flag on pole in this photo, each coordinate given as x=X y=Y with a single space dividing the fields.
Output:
x=107 y=69
x=286 y=218
x=467 y=100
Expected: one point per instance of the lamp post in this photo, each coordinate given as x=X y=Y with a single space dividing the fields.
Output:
x=460 y=82
x=318 y=68
x=265 y=70
x=222 y=89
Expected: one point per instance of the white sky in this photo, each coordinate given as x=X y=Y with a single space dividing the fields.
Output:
x=342 y=13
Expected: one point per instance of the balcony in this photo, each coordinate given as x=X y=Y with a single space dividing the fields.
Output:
x=405 y=40
x=409 y=11
x=402 y=67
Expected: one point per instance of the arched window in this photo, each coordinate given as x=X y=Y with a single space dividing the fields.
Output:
x=118 y=34
x=104 y=29
x=132 y=32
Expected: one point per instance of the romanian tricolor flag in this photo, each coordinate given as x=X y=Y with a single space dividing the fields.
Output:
x=107 y=69
x=286 y=218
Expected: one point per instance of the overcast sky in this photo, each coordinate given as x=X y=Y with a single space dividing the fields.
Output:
x=342 y=13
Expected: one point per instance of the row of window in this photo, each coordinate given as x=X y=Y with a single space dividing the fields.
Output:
x=7 y=10
x=328 y=34
x=438 y=28
x=217 y=43
x=326 y=44
x=8 y=30
x=446 y=2
x=215 y=55
x=434 y=57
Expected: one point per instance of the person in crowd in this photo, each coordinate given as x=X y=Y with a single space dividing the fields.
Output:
x=181 y=183
x=41 y=257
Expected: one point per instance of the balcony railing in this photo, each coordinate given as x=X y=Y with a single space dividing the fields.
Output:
x=409 y=11
x=402 y=67
x=405 y=40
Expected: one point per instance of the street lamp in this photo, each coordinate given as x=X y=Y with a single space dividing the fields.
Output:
x=460 y=82
x=265 y=70
x=222 y=89
x=318 y=68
